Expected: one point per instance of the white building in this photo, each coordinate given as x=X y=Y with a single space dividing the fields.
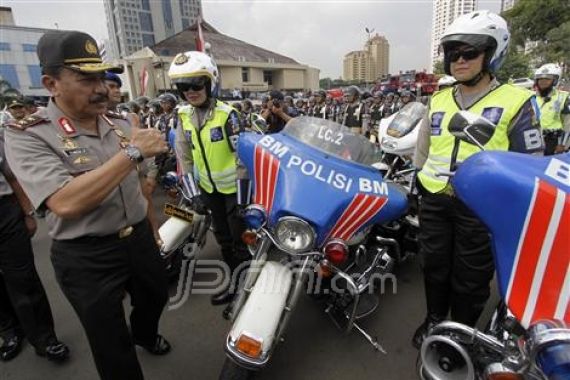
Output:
x=19 y=64
x=134 y=24
x=444 y=13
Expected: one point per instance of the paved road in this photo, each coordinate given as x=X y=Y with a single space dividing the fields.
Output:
x=313 y=348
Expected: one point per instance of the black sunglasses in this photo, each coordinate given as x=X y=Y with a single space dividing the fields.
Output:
x=467 y=54
x=193 y=84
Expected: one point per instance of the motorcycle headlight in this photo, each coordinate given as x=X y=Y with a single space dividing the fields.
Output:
x=294 y=234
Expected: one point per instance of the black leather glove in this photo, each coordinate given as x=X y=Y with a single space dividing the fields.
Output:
x=199 y=206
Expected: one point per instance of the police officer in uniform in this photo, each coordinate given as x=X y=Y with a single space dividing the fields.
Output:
x=454 y=244
x=78 y=165
x=354 y=110
x=205 y=144
x=376 y=110
x=319 y=110
x=554 y=109
x=24 y=307
x=16 y=108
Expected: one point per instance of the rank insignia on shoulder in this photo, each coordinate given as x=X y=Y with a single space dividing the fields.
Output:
x=27 y=122
x=81 y=160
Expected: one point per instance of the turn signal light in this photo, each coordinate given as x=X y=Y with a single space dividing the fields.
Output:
x=249 y=237
x=497 y=371
x=504 y=376
x=324 y=269
x=249 y=346
x=336 y=251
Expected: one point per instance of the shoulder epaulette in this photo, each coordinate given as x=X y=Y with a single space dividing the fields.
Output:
x=27 y=122
x=115 y=115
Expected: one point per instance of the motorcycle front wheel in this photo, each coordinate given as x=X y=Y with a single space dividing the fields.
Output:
x=232 y=371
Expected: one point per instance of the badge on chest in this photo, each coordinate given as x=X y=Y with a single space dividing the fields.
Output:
x=216 y=134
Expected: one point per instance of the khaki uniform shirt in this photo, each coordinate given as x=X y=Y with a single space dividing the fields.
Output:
x=46 y=155
x=5 y=188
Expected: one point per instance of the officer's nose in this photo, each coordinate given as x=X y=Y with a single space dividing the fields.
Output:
x=101 y=88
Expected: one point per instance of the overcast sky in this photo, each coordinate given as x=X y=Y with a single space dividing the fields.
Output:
x=316 y=32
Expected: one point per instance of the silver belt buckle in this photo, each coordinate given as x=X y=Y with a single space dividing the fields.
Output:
x=125 y=232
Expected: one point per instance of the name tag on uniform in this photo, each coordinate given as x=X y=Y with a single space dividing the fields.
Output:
x=436 y=119
x=75 y=151
x=216 y=134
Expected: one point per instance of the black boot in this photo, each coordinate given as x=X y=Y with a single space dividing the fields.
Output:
x=11 y=347
x=423 y=330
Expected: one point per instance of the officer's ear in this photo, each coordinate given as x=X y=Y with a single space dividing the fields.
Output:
x=49 y=84
x=50 y=77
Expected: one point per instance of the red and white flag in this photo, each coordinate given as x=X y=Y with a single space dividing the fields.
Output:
x=200 y=44
x=143 y=81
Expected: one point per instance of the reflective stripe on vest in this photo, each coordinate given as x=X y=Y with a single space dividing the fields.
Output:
x=500 y=106
x=550 y=112
x=219 y=165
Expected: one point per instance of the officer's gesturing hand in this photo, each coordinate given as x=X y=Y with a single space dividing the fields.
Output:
x=149 y=142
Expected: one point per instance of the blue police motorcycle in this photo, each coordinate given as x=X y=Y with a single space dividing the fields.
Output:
x=315 y=200
x=525 y=203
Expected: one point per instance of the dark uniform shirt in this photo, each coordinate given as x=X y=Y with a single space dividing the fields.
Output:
x=47 y=155
x=353 y=115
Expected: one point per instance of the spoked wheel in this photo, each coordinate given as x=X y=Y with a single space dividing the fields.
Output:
x=232 y=371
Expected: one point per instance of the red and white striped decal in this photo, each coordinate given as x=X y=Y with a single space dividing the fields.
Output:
x=361 y=209
x=539 y=287
x=266 y=168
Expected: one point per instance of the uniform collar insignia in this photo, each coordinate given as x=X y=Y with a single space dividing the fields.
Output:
x=66 y=125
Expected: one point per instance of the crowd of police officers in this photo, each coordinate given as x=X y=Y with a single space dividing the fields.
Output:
x=88 y=166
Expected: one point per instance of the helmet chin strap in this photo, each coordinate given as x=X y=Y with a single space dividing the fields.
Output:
x=544 y=93
x=473 y=81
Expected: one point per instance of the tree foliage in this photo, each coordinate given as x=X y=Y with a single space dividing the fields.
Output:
x=438 y=68
x=546 y=25
x=516 y=65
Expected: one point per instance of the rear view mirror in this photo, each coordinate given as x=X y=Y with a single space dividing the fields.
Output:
x=471 y=128
x=258 y=124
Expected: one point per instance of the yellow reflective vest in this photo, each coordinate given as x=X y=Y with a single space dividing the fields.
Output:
x=213 y=159
x=499 y=106
x=550 y=112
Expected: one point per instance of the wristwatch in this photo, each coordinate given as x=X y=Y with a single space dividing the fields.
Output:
x=134 y=153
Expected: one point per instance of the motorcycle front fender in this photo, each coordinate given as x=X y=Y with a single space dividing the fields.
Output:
x=260 y=316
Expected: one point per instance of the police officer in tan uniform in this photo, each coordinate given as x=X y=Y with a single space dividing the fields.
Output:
x=78 y=165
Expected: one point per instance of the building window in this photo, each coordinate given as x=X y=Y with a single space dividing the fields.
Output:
x=8 y=73
x=245 y=74
x=167 y=12
x=146 y=5
x=35 y=75
x=185 y=23
x=29 y=47
x=148 y=40
x=268 y=77
x=146 y=22
x=4 y=46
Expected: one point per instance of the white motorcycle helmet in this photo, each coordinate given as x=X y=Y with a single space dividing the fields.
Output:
x=483 y=30
x=445 y=81
x=550 y=71
x=192 y=64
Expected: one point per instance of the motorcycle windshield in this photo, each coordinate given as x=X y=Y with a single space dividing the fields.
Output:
x=334 y=139
x=406 y=119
